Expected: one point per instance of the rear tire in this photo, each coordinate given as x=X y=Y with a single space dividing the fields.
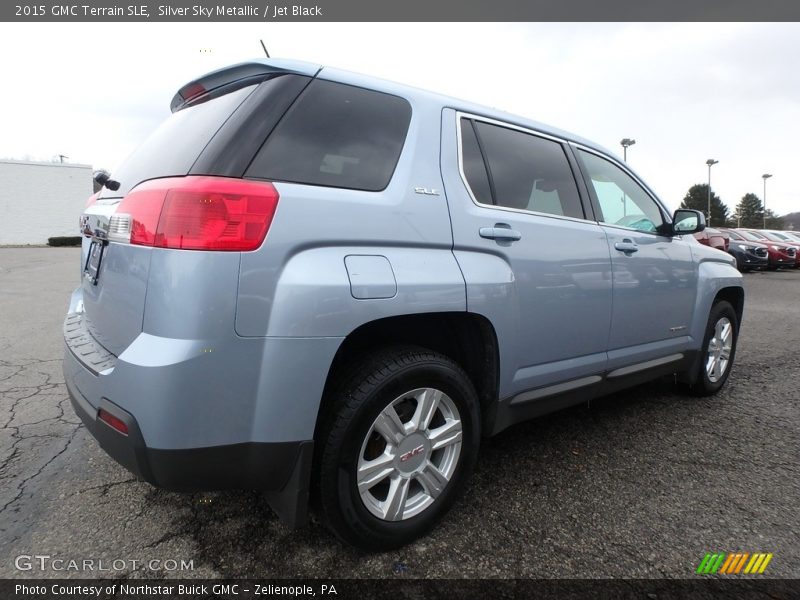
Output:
x=718 y=350
x=384 y=482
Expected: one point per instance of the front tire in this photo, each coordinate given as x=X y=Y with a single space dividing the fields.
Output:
x=397 y=448
x=718 y=351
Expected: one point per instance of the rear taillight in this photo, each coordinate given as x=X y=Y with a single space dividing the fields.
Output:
x=197 y=213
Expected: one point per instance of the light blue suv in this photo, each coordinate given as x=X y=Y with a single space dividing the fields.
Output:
x=312 y=282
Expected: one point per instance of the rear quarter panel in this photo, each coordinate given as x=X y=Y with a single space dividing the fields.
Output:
x=297 y=285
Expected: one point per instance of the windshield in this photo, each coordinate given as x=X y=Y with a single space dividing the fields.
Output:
x=770 y=235
x=735 y=235
x=774 y=235
x=752 y=236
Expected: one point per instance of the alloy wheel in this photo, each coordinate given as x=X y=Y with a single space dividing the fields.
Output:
x=409 y=454
x=719 y=350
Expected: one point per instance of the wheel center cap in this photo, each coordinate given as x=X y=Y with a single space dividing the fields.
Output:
x=412 y=453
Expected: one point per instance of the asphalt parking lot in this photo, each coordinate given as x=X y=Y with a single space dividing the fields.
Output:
x=638 y=485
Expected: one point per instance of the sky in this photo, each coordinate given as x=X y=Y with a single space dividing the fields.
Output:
x=686 y=92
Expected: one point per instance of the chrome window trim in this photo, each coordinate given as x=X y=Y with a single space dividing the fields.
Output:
x=465 y=115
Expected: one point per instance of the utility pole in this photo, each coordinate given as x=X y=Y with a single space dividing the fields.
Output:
x=710 y=162
x=625 y=143
x=765 y=176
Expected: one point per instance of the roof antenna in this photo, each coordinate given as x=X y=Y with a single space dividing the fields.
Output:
x=265 y=48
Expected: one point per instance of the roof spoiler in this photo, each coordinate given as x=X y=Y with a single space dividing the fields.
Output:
x=237 y=76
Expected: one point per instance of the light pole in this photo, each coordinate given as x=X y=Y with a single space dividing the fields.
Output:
x=710 y=162
x=765 y=176
x=625 y=143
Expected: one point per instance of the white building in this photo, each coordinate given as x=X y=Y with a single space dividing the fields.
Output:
x=41 y=200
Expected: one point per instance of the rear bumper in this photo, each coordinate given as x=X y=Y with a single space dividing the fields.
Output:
x=282 y=469
x=235 y=413
x=253 y=465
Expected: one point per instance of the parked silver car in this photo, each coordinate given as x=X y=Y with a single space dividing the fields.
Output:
x=308 y=280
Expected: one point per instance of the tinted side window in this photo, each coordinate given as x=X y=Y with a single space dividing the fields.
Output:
x=336 y=135
x=622 y=200
x=474 y=167
x=529 y=172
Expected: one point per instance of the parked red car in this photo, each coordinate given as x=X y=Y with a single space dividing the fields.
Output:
x=779 y=236
x=781 y=254
x=713 y=238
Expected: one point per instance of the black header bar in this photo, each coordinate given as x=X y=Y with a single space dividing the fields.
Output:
x=401 y=10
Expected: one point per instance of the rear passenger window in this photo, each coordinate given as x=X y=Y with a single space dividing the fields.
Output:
x=474 y=167
x=336 y=135
x=528 y=172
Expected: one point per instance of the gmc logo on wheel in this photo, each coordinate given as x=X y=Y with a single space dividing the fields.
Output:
x=410 y=453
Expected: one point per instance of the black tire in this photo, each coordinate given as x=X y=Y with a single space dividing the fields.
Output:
x=703 y=385
x=367 y=389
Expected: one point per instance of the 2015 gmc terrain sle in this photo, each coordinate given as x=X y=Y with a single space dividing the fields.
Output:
x=308 y=280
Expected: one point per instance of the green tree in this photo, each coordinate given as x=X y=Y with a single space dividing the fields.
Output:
x=750 y=211
x=774 y=221
x=697 y=198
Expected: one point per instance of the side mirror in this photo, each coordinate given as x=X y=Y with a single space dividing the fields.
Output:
x=103 y=178
x=686 y=221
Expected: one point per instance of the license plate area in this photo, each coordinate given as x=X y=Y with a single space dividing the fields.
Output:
x=92 y=268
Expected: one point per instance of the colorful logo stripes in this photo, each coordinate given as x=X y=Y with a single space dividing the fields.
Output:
x=734 y=563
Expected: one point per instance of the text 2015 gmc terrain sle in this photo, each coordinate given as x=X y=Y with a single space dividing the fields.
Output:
x=309 y=281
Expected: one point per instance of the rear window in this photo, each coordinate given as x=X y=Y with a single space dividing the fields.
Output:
x=336 y=135
x=172 y=149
